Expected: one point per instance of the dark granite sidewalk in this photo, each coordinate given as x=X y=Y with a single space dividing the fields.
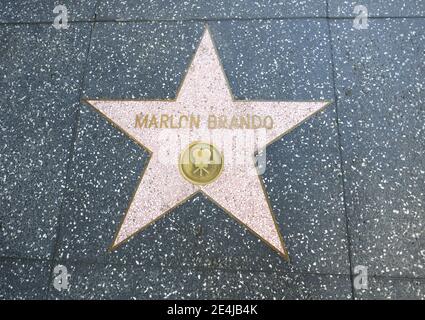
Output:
x=347 y=186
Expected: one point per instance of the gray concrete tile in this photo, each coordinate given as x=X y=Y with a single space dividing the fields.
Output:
x=392 y=289
x=149 y=63
x=276 y=59
x=203 y=9
x=378 y=8
x=23 y=279
x=13 y=11
x=99 y=281
x=303 y=180
x=380 y=88
x=41 y=72
x=139 y=60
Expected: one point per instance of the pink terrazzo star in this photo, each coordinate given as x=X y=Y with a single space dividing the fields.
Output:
x=204 y=92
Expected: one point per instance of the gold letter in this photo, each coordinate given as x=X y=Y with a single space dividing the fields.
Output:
x=181 y=120
x=234 y=122
x=194 y=120
x=270 y=125
x=212 y=121
x=222 y=122
x=244 y=122
x=164 y=120
x=173 y=125
x=254 y=125
x=153 y=122
x=142 y=124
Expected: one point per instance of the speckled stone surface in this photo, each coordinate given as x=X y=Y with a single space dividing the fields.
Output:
x=384 y=288
x=276 y=59
x=374 y=76
x=135 y=282
x=24 y=279
x=41 y=75
x=139 y=60
x=380 y=88
x=13 y=11
x=206 y=9
x=378 y=8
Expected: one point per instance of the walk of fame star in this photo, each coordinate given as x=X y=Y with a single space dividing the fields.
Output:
x=205 y=111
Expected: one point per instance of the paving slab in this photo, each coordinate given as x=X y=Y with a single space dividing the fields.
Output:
x=41 y=72
x=98 y=281
x=380 y=89
x=203 y=9
x=378 y=8
x=23 y=279
x=25 y=11
x=380 y=288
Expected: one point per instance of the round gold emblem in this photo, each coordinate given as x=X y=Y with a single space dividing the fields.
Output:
x=201 y=163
